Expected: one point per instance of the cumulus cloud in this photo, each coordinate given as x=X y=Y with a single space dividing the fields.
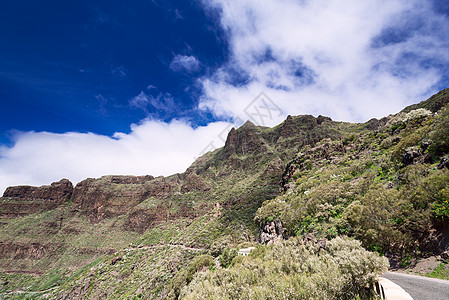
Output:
x=152 y=147
x=351 y=60
x=184 y=63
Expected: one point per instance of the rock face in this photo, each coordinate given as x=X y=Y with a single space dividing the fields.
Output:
x=141 y=219
x=271 y=232
x=193 y=182
x=58 y=192
x=115 y=195
x=24 y=200
x=415 y=155
x=444 y=163
x=246 y=140
x=31 y=251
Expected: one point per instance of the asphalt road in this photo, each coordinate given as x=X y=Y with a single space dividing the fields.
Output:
x=421 y=288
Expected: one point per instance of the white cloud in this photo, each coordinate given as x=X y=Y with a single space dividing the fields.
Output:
x=140 y=101
x=162 y=103
x=351 y=60
x=184 y=63
x=152 y=147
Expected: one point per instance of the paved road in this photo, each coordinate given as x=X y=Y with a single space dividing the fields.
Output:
x=421 y=288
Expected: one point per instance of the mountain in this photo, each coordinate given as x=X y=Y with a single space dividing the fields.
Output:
x=308 y=180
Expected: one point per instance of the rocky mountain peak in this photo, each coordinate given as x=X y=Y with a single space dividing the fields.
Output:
x=244 y=140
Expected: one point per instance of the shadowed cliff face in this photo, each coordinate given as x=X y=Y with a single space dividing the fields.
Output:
x=24 y=200
x=57 y=192
x=115 y=195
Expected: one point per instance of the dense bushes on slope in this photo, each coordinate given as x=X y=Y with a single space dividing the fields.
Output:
x=293 y=270
x=385 y=187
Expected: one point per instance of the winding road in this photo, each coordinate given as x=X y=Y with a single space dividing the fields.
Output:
x=419 y=287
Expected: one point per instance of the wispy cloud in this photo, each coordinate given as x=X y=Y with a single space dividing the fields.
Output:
x=162 y=103
x=102 y=102
x=119 y=71
x=184 y=63
x=351 y=60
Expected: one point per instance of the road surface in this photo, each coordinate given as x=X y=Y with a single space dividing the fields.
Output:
x=421 y=288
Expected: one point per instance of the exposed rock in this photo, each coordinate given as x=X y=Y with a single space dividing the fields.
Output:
x=58 y=192
x=34 y=251
x=292 y=125
x=193 y=182
x=317 y=154
x=444 y=256
x=102 y=198
x=425 y=144
x=140 y=220
x=444 y=163
x=20 y=201
x=373 y=124
x=274 y=170
x=231 y=142
x=411 y=156
x=245 y=140
x=124 y=179
x=320 y=119
x=271 y=232
x=311 y=239
x=116 y=260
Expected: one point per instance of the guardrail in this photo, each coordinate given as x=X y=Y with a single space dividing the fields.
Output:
x=389 y=290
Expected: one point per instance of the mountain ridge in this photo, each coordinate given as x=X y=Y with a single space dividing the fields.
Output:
x=307 y=175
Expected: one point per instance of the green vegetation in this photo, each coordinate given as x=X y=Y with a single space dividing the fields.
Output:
x=293 y=270
x=441 y=272
x=369 y=191
x=355 y=187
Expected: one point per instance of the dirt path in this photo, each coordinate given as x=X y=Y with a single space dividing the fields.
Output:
x=166 y=245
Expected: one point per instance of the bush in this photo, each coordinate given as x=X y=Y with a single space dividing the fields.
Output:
x=184 y=277
x=294 y=270
x=440 y=133
x=226 y=257
x=219 y=245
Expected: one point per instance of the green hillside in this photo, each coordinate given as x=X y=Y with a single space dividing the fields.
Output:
x=322 y=202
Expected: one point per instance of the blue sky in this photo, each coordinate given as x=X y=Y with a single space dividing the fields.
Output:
x=74 y=66
x=90 y=88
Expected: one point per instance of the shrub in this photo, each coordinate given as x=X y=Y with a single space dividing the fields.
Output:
x=219 y=245
x=440 y=133
x=294 y=270
x=226 y=257
x=185 y=276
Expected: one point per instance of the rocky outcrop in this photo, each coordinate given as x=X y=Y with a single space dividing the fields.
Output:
x=33 y=251
x=328 y=151
x=124 y=179
x=444 y=163
x=140 y=220
x=58 y=192
x=414 y=155
x=20 y=201
x=194 y=183
x=311 y=239
x=116 y=195
x=246 y=140
x=271 y=232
